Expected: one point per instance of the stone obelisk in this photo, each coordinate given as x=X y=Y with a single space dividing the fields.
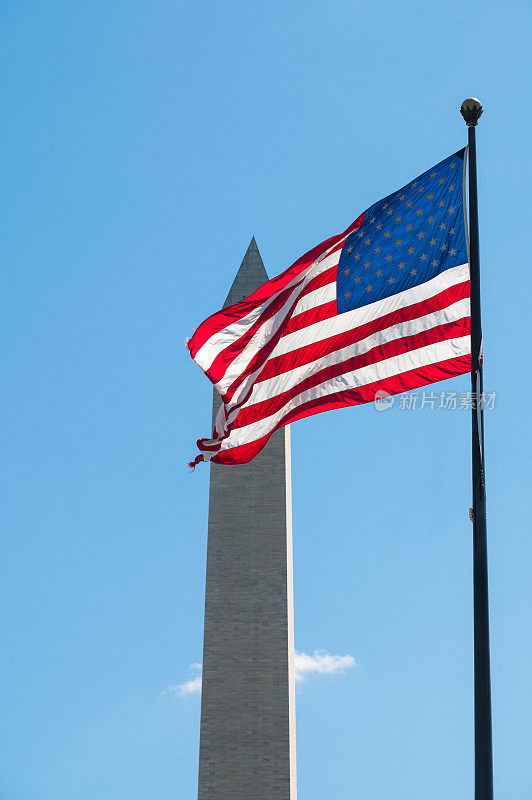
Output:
x=247 y=737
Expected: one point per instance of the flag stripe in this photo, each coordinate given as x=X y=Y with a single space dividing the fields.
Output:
x=318 y=314
x=322 y=289
x=247 y=308
x=406 y=381
x=266 y=399
x=379 y=371
x=373 y=311
x=229 y=342
x=407 y=371
x=235 y=362
x=305 y=354
x=424 y=299
x=269 y=340
x=259 y=355
x=230 y=359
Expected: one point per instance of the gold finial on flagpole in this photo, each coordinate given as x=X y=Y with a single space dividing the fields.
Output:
x=471 y=109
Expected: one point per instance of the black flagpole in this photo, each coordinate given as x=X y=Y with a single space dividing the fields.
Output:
x=471 y=110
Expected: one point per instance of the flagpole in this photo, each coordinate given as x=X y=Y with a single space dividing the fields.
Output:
x=471 y=110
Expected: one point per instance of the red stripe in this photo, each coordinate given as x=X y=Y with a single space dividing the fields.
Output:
x=242 y=454
x=323 y=279
x=316 y=314
x=221 y=319
x=226 y=356
x=404 y=382
x=265 y=408
x=263 y=354
x=314 y=350
x=219 y=366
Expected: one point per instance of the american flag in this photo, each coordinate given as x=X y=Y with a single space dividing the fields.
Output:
x=381 y=308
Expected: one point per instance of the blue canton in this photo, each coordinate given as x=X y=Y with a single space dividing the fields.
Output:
x=406 y=239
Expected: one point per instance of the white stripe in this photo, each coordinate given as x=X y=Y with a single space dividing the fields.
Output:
x=259 y=339
x=316 y=298
x=416 y=359
x=222 y=339
x=280 y=383
x=360 y=316
x=264 y=333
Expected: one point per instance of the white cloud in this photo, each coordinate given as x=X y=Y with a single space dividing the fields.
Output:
x=317 y=663
x=321 y=663
x=192 y=686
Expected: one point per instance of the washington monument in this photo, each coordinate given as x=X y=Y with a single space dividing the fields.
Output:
x=247 y=737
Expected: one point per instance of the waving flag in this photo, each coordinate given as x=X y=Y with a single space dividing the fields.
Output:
x=381 y=307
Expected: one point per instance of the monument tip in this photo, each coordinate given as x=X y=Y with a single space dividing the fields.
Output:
x=253 y=244
x=249 y=277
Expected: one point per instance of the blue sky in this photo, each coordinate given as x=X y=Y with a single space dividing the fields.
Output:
x=143 y=144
